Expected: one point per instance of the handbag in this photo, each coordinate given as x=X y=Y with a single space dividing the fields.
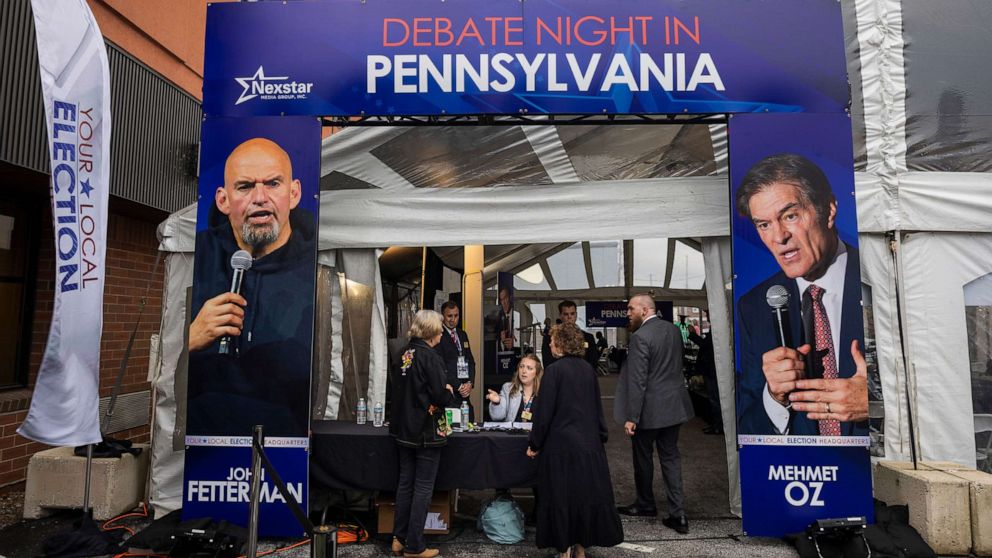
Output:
x=436 y=427
x=502 y=520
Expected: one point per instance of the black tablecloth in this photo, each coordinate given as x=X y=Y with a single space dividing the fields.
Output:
x=348 y=456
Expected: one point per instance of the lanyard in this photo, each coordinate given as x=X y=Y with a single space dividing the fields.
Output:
x=457 y=341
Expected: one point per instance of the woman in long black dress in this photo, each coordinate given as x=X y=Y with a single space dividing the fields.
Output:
x=576 y=509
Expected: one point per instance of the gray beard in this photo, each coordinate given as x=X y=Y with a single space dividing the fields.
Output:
x=259 y=236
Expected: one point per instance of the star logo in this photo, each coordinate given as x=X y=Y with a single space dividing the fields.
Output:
x=251 y=84
x=85 y=187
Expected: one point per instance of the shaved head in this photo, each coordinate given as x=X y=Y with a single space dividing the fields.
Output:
x=639 y=308
x=644 y=300
x=256 y=149
x=258 y=194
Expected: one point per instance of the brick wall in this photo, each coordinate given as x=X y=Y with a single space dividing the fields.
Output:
x=131 y=251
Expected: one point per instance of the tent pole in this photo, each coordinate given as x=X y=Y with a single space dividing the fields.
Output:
x=254 y=504
x=895 y=246
x=473 y=312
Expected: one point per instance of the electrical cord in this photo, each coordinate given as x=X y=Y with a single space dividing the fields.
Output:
x=348 y=533
x=282 y=548
x=106 y=524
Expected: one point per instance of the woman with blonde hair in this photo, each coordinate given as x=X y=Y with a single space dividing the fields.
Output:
x=515 y=401
x=419 y=396
x=576 y=509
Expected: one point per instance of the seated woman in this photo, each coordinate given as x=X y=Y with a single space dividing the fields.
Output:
x=514 y=402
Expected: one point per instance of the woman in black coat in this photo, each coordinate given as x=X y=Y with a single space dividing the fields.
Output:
x=419 y=397
x=576 y=509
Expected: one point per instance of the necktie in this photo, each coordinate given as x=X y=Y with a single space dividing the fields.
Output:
x=457 y=341
x=824 y=346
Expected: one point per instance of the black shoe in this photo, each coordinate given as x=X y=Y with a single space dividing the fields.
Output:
x=679 y=524
x=637 y=511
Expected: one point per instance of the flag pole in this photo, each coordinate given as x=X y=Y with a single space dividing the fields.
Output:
x=86 y=486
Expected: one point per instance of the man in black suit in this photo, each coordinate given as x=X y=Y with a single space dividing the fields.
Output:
x=819 y=387
x=459 y=365
x=706 y=367
x=652 y=402
x=569 y=314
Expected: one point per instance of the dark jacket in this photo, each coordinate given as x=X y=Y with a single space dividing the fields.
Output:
x=705 y=363
x=416 y=385
x=568 y=414
x=756 y=330
x=267 y=380
x=651 y=392
x=449 y=353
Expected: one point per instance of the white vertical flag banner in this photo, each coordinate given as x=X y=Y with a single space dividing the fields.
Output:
x=75 y=78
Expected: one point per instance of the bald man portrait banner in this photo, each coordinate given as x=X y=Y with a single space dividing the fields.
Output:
x=264 y=378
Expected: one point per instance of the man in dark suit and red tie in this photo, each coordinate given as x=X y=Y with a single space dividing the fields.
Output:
x=817 y=385
x=459 y=365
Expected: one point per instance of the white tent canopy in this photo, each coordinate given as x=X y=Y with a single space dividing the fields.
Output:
x=923 y=181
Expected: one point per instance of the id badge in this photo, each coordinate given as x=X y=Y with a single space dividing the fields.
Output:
x=526 y=416
x=462 y=368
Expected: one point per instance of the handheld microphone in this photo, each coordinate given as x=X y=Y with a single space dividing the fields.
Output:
x=240 y=261
x=777 y=297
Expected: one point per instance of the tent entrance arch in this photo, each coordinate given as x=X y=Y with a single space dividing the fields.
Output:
x=639 y=78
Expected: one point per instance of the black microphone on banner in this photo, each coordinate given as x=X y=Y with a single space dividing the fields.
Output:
x=240 y=262
x=777 y=297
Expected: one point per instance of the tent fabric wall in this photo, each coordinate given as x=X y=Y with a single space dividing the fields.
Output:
x=165 y=489
x=716 y=255
x=943 y=263
x=915 y=84
x=946 y=201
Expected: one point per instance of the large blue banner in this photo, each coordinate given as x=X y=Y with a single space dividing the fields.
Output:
x=251 y=333
x=218 y=485
x=606 y=313
x=784 y=488
x=802 y=397
x=424 y=57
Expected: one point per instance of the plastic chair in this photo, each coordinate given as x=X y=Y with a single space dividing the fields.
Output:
x=603 y=364
x=983 y=425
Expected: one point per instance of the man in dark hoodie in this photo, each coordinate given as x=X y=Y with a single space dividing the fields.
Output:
x=266 y=377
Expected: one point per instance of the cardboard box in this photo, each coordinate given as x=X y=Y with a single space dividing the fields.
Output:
x=438 y=514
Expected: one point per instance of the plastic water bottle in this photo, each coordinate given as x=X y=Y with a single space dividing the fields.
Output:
x=377 y=415
x=363 y=410
x=464 y=423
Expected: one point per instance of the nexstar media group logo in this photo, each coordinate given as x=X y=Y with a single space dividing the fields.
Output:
x=271 y=87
